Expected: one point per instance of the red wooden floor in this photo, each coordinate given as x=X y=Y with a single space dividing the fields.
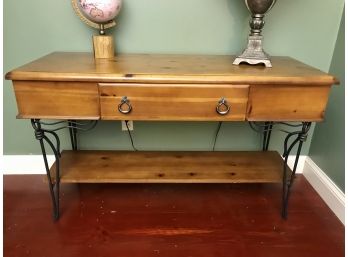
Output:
x=167 y=220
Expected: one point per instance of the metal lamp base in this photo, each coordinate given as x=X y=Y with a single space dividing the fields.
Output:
x=254 y=53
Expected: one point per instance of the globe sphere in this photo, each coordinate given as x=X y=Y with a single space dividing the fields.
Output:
x=100 y=11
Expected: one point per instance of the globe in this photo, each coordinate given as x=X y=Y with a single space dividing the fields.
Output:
x=100 y=11
x=99 y=14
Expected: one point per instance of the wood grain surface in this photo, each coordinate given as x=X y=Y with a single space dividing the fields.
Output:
x=287 y=103
x=169 y=87
x=173 y=102
x=145 y=68
x=57 y=100
x=171 y=220
x=103 y=47
x=170 y=167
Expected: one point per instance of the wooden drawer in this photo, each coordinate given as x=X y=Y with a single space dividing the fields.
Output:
x=57 y=100
x=173 y=102
x=287 y=103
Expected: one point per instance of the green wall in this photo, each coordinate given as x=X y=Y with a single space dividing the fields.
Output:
x=34 y=28
x=327 y=148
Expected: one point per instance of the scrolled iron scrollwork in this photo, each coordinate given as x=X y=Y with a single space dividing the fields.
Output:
x=293 y=138
x=41 y=131
x=54 y=185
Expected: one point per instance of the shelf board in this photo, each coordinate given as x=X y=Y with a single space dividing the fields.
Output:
x=169 y=167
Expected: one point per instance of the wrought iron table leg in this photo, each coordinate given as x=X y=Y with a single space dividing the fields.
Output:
x=288 y=179
x=267 y=135
x=73 y=134
x=53 y=185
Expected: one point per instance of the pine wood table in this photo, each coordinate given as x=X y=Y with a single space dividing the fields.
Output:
x=77 y=91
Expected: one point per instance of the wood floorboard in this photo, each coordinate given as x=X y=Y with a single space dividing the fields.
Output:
x=181 y=220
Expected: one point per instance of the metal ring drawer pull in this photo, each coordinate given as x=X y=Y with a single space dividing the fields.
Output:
x=223 y=107
x=125 y=101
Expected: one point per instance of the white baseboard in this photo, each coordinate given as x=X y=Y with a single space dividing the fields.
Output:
x=325 y=187
x=25 y=164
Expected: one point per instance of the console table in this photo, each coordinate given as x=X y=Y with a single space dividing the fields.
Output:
x=73 y=91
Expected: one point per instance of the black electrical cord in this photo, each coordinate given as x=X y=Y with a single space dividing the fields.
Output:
x=130 y=136
x=217 y=134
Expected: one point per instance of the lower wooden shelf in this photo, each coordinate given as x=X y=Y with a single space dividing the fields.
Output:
x=169 y=167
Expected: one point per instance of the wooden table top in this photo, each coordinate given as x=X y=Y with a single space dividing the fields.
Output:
x=151 y=68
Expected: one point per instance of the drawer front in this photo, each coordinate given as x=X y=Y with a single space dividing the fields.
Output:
x=57 y=100
x=287 y=103
x=173 y=102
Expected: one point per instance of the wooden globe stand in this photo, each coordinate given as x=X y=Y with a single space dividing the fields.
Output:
x=103 y=46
